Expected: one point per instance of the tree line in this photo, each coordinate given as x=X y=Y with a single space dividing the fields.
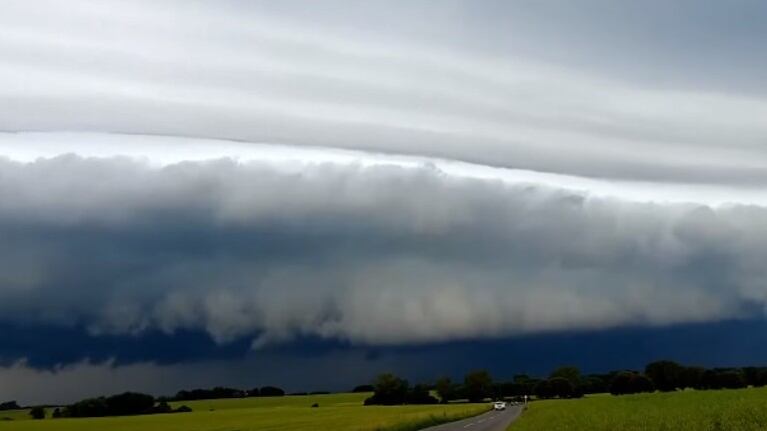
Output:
x=134 y=403
x=477 y=386
x=223 y=392
x=564 y=382
x=125 y=404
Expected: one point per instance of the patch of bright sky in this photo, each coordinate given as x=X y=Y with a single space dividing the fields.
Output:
x=159 y=151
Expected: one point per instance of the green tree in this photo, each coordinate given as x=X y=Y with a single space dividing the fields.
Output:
x=561 y=387
x=389 y=390
x=570 y=373
x=666 y=375
x=445 y=389
x=478 y=385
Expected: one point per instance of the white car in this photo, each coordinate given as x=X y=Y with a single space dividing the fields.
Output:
x=499 y=405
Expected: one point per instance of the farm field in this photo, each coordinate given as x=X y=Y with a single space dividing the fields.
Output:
x=722 y=410
x=341 y=412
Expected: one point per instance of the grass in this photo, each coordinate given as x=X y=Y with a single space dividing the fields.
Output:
x=336 y=412
x=725 y=410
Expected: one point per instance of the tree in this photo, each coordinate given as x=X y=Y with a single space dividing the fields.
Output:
x=692 y=377
x=37 y=412
x=129 y=403
x=389 y=390
x=570 y=373
x=525 y=384
x=56 y=413
x=543 y=390
x=420 y=395
x=89 y=407
x=723 y=379
x=162 y=407
x=478 y=385
x=363 y=388
x=629 y=382
x=10 y=405
x=594 y=384
x=445 y=389
x=666 y=375
x=561 y=387
x=271 y=391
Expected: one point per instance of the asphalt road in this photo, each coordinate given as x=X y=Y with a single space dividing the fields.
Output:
x=490 y=421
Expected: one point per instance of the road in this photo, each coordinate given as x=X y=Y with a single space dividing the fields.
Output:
x=490 y=421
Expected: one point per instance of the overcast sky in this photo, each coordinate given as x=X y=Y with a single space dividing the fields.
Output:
x=375 y=174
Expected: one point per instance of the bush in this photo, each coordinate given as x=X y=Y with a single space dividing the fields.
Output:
x=37 y=413
x=183 y=409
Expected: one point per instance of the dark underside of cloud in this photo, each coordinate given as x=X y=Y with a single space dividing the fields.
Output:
x=377 y=255
x=163 y=364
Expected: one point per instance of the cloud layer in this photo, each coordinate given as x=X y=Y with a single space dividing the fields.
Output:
x=373 y=254
x=270 y=74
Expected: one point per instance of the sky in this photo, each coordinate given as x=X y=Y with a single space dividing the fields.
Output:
x=262 y=193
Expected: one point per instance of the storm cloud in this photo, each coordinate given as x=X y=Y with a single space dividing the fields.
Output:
x=376 y=254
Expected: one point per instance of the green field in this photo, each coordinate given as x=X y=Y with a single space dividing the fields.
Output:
x=337 y=412
x=724 y=410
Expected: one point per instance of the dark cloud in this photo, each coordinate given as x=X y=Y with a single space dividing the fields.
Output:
x=312 y=364
x=381 y=254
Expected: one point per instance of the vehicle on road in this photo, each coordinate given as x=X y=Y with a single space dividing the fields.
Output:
x=499 y=405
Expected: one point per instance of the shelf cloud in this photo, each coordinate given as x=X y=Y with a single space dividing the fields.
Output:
x=369 y=253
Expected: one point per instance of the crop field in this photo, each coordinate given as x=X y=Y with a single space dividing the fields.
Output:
x=337 y=412
x=723 y=410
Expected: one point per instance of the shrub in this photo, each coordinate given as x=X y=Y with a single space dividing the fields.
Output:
x=37 y=412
